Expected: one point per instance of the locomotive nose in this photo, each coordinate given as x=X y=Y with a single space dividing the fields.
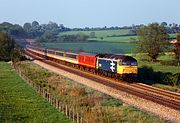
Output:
x=130 y=70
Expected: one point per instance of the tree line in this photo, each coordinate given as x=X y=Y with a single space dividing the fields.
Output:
x=41 y=32
x=32 y=30
x=169 y=28
x=36 y=30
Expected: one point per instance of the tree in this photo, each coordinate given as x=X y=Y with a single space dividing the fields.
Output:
x=17 y=55
x=5 y=27
x=177 y=48
x=6 y=46
x=164 y=24
x=35 y=24
x=17 y=31
x=153 y=39
x=27 y=27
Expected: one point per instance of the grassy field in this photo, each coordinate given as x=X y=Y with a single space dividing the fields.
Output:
x=20 y=104
x=123 y=39
x=101 y=33
x=99 y=47
x=157 y=66
x=110 y=35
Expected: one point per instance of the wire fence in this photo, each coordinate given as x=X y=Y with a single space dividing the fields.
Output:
x=69 y=110
x=77 y=113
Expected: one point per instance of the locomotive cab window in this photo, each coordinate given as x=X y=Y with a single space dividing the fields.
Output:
x=134 y=63
x=129 y=63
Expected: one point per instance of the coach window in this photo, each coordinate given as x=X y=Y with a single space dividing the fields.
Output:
x=60 y=54
x=71 y=56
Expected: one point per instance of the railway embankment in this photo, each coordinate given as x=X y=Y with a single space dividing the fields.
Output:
x=145 y=105
x=68 y=96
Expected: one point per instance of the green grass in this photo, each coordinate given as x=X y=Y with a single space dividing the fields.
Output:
x=168 y=87
x=109 y=35
x=172 y=35
x=21 y=104
x=100 y=47
x=101 y=33
x=135 y=116
x=123 y=39
x=156 y=66
x=116 y=111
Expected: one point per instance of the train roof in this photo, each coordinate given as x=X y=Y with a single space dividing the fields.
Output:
x=87 y=54
x=34 y=46
x=116 y=57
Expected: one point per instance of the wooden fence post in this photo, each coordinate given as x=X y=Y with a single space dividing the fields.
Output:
x=81 y=119
x=73 y=113
x=77 y=118
x=56 y=104
x=39 y=90
x=51 y=100
x=66 y=110
x=48 y=97
x=69 y=112
x=59 y=106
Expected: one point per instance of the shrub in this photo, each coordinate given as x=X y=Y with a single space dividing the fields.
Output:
x=147 y=73
x=111 y=102
x=176 y=79
x=169 y=62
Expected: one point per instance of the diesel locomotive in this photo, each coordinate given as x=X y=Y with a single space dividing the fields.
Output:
x=112 y=65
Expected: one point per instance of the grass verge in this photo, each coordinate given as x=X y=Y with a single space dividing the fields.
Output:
x=20 y=104
x=96 y=106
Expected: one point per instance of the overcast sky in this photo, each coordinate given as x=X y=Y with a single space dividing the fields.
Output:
x=90 y=13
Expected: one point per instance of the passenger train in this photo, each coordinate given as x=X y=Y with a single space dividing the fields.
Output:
x=112 y=65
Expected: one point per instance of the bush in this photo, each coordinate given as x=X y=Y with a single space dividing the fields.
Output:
x=176 y=79
x=171 y=79
x=147 y=74
x=111 y=102
x=170 y=62
x=6 y=46
x=167 y=78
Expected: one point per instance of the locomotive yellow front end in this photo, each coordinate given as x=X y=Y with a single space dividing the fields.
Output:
x=128 y=68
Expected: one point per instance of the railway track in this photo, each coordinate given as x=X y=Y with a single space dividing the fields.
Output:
x=168 y=94
x=166 y=98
